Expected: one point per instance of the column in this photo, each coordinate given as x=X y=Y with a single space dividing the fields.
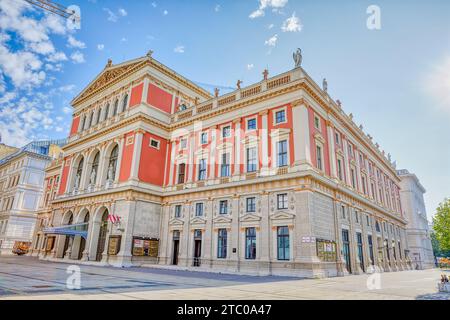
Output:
x=265 y=233
x=119 y=160
x=331 y=149
x=185 y=236
x=237 y=147
x=338 y=233
x=302 y=141
x=145 y=90
x=191 y=149
x=165 y=235
x=213 y=151
x=103 y=167
x=208 y=234
x=172 y=163
x=264 y=143
x=235 y=233
x=134 y=174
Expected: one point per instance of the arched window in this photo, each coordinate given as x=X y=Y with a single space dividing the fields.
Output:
x=99 y=112
x=125 y=103
x=83 y=119
x=106 y=112
x=183 y=107
x=92 y=118
x=116 y=107
x=94 y=171
x=113 y=163
x=79 y=173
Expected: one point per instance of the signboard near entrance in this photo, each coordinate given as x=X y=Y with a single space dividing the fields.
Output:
x=114 y=245
x=147 y=247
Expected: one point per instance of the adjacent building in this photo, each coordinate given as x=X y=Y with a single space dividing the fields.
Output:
x=272 y=178
x=21 y=181
x=417 y=229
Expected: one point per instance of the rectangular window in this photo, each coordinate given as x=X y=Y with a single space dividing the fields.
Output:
x=199 y=209
x=251 y=159
x=226 y=132
x=282 y=201
x=360 y=250
x=181 y=172
x=222 y=237
x=283 y=243
x=280 y=116
x=319 y=157
x=343 y=212
x=223 y=207
x=282 y=153
x=251 y=204
x=202 y=169
x=364 y=185
x=251 y=124
x=250 y=243
x=356 y=217
x=183 y=143
x=368 y=221
x=369 y=241
x=204 y=138
x=339 y=168
x=154 y=143
x=316 y=122
x=337 y=138
x=178 y=211
x=225 y=167
x=352 y=174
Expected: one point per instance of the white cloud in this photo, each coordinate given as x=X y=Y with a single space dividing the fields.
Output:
x=165 y=12
x=67 y=88
x=67 y=110
x=77 y=57
x=111 y=15
x=154 y=4
x=292 y=24
x=179 y=49
x=250 y=66
x=272 y=42
x=123 y=39
x=100 y=47
x=217 y=8
x=437 y=84
x=123 y=12
x=270 y=26
x=276 y=5
x=74 y=43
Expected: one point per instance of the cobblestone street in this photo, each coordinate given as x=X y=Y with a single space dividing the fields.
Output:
x=29 y=278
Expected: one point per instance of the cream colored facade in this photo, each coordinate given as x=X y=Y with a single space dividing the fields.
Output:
x=417 y=229
x=289 y=184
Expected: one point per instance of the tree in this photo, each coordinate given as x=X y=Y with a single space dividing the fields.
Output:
x=441 y=225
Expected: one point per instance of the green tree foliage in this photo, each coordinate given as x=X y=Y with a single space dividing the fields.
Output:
x=441 y=225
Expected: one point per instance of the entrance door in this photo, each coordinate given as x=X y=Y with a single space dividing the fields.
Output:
x=197 y=252
x=176 y=249
x=102 y=236
x=346 y=250
x=360 y=251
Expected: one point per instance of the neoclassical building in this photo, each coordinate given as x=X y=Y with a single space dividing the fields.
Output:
x=417 y=229
x=22 y=172
x=273 y=178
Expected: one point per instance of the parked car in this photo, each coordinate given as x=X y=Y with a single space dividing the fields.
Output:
x=21 y=247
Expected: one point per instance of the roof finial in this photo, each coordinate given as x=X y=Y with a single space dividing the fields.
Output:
x=149 y=53
x=266 y=74
x=238 y=84
x=109 y=64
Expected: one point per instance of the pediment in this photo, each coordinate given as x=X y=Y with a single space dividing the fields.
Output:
x=176 y=222
x=281 y=215
x=250 y=218
x=280 y=132
x=198 y=220
x=110 y=75
x=222 y=219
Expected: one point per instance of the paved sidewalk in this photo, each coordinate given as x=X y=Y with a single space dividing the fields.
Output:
x=29 y=278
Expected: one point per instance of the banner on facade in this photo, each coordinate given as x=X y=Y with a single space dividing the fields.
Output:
x=147 y=247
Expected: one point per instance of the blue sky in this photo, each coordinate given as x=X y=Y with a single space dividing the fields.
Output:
x=396 y=80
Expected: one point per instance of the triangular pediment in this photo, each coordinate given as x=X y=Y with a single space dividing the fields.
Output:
x=176 y=222
x=198 y=220
x=282 y=215
x=222 y=219
x=110 y=75
x=250 y=218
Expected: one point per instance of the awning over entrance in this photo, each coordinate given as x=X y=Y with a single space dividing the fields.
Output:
x=79 y=229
